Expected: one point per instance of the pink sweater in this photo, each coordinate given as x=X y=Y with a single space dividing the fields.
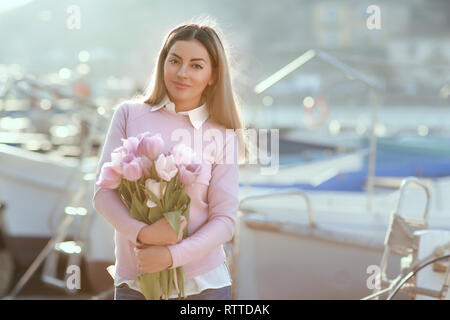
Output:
x=214 y=198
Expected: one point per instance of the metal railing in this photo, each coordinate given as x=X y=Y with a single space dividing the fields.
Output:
x=301 y=194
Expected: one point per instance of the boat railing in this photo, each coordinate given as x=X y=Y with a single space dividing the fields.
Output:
x=439 y=253
x=419 y=182
x=264 y=225
x=401 y=236
x=298 y=193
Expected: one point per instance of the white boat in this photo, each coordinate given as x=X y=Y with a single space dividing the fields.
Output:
x=36 y=189
x=316 y=244
x=320 y=245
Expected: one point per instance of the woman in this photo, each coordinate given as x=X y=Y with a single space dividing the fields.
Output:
x=191 y=94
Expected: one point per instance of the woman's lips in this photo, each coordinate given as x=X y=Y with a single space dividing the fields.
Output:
x=180 y=85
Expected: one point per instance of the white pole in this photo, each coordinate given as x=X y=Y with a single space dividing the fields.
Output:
x=372 y=151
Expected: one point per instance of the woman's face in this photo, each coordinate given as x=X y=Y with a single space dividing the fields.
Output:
x=187 y=64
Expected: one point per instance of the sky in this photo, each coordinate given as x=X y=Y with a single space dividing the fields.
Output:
x=6 y=5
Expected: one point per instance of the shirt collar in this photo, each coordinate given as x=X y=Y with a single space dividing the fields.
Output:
x=197 y=116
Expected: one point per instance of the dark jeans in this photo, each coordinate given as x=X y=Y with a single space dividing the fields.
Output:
x=123 y=292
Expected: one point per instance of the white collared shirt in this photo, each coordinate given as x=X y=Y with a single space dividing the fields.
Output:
x=197 y=116
x=218 y=277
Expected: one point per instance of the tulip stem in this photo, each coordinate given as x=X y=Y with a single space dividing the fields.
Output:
x=175 y=280
x=127 y=184
x=138 y=190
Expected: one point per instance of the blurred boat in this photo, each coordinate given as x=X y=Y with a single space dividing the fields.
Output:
x=295 y=244
x=312 y=230
x=324 y=246
x=37 y=189
x=413 y=145
x=46 y=178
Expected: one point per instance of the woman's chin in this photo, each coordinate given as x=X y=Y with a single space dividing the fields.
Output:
x=180 y=94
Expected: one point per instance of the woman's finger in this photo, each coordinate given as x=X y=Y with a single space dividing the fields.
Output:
x=137 y=252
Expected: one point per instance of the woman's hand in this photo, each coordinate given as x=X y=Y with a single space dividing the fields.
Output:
x=152 y=258
x=161 y=233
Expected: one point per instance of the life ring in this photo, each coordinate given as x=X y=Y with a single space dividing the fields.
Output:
x=320 y=107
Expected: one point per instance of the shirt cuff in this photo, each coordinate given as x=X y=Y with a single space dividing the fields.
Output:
x=139 y=225
x=175 y=256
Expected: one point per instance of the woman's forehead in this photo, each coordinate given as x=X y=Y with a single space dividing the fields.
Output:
x=189 y=50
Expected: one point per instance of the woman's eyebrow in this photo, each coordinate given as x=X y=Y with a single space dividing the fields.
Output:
x=174 y=54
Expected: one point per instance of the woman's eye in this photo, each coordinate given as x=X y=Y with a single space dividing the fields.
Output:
x=196 y=66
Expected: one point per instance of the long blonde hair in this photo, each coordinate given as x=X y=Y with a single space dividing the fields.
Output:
x=220 y=98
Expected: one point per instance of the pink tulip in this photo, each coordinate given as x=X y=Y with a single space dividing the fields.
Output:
x=189 y=173
x=182 y=154
x=117 y=157
x=131 y=144
x=143 y=134
x=165 y=167
x=109 y=178
x=131 y=167
x=146 y=165
x=150 y=146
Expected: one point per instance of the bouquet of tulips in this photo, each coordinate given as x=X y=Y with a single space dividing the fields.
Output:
x=152 y=186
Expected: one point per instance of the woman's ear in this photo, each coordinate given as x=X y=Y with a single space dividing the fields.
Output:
x=212 y=80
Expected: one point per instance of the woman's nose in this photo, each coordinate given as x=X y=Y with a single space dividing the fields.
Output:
x=182 y=71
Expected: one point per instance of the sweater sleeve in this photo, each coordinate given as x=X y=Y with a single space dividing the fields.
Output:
x=223 y=198
x=105 y=201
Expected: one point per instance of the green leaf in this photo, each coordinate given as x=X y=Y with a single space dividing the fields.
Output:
x=173 y=186
x=173 y=200
x=182 y=199
x=186 y=214
x=124 y=192
x=135 y=211
x=174 y=218
x=153 y=173
x=143 y=211
x=178 y=182
x=125 y=202
x=150 y=285
x=170 y=280
x=181 y=277
x=167 y=195
x=139 y=210
x=163 y=202
x=175 y=281
x=154 y=214
x=164 y=283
